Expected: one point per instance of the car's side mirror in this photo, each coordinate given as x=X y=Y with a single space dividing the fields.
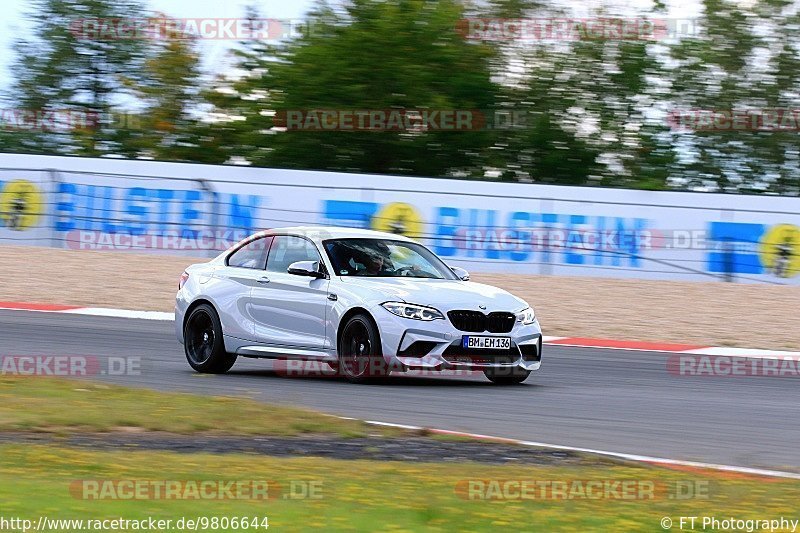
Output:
x=306 y=268
x=462 y=274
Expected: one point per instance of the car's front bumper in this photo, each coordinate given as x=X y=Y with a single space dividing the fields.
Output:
x=436 y=345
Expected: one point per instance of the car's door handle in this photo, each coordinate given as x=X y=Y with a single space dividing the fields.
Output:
x=265 y=279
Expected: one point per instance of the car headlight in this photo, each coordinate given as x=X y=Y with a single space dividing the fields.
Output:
x=527 y=316
x=416 y=312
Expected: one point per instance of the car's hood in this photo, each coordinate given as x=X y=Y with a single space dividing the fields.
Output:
x=442 y=294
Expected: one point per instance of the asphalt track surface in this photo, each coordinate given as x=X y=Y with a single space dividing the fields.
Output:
x=619 y=401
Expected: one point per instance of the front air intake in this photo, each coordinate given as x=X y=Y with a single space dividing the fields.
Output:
x=477 y=322
x=473 y=321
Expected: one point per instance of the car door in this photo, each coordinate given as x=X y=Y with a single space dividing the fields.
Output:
x=290 y=310
x=232 y=286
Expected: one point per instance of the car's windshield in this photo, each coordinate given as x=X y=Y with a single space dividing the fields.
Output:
x=385 y=258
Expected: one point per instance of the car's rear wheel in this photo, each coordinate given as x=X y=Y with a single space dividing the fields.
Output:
x=203 y=343
x=360 y=354
x=507 y=376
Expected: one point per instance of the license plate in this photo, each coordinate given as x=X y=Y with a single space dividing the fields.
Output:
x=486 y=343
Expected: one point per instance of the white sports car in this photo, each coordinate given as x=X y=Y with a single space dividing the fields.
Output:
x=367 y=303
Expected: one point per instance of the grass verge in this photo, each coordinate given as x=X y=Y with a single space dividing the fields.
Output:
x=367 y=495
x=56 y=405
x=41 y=480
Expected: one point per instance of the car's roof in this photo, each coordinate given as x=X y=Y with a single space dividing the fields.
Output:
x=321 y=233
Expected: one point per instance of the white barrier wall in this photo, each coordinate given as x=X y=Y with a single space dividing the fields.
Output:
x=484 y=226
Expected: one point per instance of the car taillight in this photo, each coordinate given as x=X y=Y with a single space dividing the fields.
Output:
x=182 y=281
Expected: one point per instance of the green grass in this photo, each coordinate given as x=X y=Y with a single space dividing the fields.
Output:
x=54 y=405
x=35 y=480
x=366 y=495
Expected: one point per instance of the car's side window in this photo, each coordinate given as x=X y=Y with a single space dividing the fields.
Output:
x=286 y=250
x=251 y=255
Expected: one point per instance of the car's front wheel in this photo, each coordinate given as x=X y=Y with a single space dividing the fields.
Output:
x=202 y=338
x=360 y=354
x=507 y=376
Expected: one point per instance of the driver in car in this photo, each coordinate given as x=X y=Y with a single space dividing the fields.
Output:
x=376 y=262
x=376 y=265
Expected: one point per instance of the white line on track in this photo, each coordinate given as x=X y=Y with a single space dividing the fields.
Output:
x=742 y=352
x=122 y=313
x=617 y=455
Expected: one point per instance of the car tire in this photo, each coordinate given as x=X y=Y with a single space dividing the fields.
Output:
x=360 y=355
x=507 y=376
x=203 y=343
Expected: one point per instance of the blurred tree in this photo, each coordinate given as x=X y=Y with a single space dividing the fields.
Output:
x=372 y=55
x=589 y=111
x=614 y=108
x=14 y=139
x=169 y=91
x=513 y=9
x=238 y=121
x=746 y=57
x=67 y=68
x=588 y=105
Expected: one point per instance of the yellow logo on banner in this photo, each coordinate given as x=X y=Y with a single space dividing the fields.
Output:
x=780 y=250
x=21 y=204
x=399 y=218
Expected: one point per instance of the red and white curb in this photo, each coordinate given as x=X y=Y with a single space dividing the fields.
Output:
x=656 y=461
x=91 y=311
x=575 y=342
